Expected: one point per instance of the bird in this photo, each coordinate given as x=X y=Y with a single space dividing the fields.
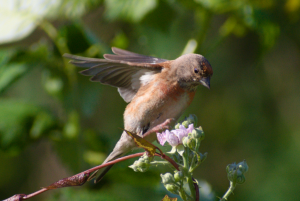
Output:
x=156 y=89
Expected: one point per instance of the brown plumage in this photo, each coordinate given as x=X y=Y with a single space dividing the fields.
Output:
x=157 y=89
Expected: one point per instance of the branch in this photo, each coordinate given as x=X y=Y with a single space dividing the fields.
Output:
x=75 y=180
x=81 y=178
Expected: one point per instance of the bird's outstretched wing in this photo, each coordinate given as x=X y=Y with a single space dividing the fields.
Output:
x=125 y=70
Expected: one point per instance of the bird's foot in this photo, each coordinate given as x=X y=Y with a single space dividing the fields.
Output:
x=161 y=127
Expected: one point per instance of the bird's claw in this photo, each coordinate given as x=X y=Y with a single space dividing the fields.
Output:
x=161 y=127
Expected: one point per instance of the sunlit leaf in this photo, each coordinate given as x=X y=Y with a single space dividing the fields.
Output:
x=120 y=41
x=71 y=128
x=167 y=198
x=42 y=122
x=220 y=6
x=130 y=10
x=142 y=143
x=93 y=157
x=20 y=18
x=231 y=25
x=292 y=5
x=269 y=33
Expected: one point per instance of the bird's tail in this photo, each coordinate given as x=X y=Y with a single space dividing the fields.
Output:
x=98 y=175
x=124 y=145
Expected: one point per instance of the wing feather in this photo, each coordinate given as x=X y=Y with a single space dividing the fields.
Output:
x=126 y=56
x=125 y=70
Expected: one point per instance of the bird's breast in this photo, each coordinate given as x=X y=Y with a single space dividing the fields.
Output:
x=155 y=103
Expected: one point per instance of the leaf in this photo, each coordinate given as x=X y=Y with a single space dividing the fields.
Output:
x=20 y=18
x=167 y=198
x=6 y=55
x=10 y=73
x=173 y=150
x=42 y=122
x=21 y=122
x=71 y=128
x=142 y=143
x=180 y=149
x=120 y=41
x=162 y=17
x=129 y=10
x=15 y=121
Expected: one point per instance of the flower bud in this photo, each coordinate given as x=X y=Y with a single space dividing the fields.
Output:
x=192 y=143
x=235 y=172
x=231 y=172
x=240 y=179
x=133 y=167
x=198 y=133
x=192 y=119
x=185 y=124
x=177 y=126
x=141 y=165
x=243 y=166
x=172 y=188
x=232 y=176
x=178 y=176
x=230 y=167
x=167 y=178
x=185 y=141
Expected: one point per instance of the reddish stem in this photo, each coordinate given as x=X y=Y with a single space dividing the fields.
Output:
x=162 y=155
x=24 y=197
x=170 y=160
x=197 y=189
x=35 y=193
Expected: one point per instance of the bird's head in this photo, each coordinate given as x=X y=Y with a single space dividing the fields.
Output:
x=193 y=70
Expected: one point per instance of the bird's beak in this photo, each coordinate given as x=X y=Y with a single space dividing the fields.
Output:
x=205 y=82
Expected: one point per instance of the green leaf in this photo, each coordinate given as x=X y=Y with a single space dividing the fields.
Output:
x=10 y=73
x=42 y=122
x=120 y=41
x=15 y=118
x=5 y=56
x=173 y=151
x=20 y=123
x=180 y=149
x=71 y=128
x=129 y=10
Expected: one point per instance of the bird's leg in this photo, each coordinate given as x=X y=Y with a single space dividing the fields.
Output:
x=161 y=127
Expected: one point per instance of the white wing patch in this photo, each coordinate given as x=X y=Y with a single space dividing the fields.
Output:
x=147 y=77
x=140 y=78
x=126 y=94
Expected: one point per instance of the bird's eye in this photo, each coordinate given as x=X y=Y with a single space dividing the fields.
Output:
x=196 y=70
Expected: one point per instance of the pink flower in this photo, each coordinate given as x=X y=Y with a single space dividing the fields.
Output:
x=174 y=137
x=161 y=137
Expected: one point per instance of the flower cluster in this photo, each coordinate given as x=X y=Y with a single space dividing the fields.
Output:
x=235 y=172
x=185 y=140
x=174 y=137
x=142 y=165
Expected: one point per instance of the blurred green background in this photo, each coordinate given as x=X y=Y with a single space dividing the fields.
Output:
x=54 y=122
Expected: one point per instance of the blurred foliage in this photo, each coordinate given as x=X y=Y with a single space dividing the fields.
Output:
x=55 y=123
